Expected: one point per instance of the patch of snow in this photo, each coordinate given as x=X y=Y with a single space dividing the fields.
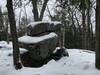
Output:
x=57 y=48
x=79 y=62
x=22 y=50
x=4 y=44
x=31 y=40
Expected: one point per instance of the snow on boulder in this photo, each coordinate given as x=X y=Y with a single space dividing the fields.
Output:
x=31 y=40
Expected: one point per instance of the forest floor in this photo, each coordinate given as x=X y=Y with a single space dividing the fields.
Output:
x=79 y=62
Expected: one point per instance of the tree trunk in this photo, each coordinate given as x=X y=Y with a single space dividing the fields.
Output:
x=35 y=10
x=89 y=31
x=7 y=34
x=84 y=25
x=1 y=26
x=43 y=9
x=16 y=52
x=97 y=61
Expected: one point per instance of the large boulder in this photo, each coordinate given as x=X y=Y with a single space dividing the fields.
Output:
x=39 y=47
x=41 y=40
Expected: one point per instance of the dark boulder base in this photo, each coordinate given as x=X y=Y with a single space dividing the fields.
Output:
x=59 y=53
x=1 y=47
x=28 y=61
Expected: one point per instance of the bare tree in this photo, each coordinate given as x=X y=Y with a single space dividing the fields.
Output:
x=1 y=25
x=35 y=11
x=97 y=63
x=16 y=52
x=83 y=8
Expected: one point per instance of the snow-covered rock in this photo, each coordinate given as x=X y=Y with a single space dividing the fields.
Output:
x=39 y=47
x=36 y=39
x=36 y=28
x=42 y=38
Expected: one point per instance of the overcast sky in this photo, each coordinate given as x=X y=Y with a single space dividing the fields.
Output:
x=28 y=10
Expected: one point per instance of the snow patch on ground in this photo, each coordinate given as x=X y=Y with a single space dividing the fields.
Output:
x=79 y=62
